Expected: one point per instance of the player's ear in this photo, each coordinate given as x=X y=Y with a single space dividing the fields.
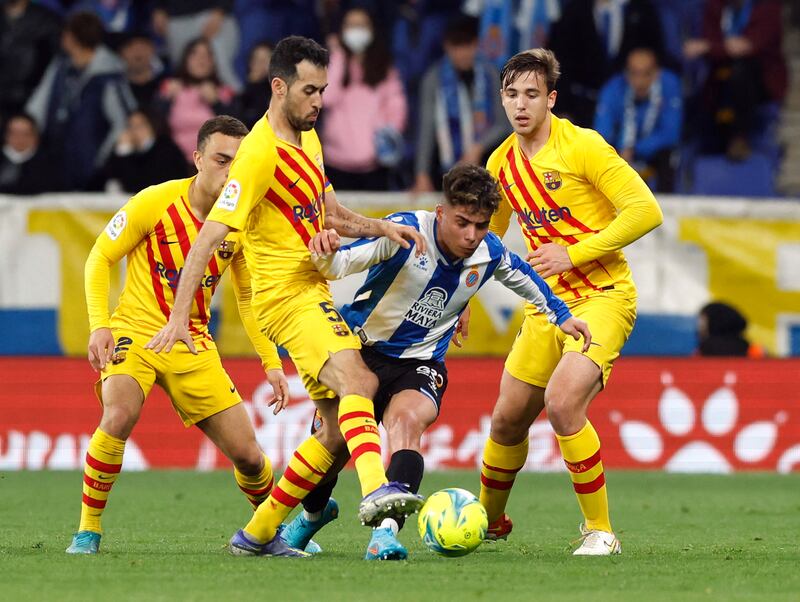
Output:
x=551 y=99
x=439 y=211
x=279 y=87
x=198 y=161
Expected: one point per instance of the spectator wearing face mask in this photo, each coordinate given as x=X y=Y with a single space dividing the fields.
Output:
x=365 y=107
x=144 y=154
x=24 y=166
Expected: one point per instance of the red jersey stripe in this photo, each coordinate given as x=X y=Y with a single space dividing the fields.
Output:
x=300 y=197
x=518 y=209
x=313 y=166
x=186 y=245
x=169 y=263
x=551 y=203
x=289 y=160
x=158 y=287
x=212 y=265
x=284 y=208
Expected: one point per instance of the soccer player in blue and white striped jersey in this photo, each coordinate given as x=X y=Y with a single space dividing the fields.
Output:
x=406 y=314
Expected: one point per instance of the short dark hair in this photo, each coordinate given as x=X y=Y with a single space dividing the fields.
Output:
x=86 y=28
x=539 y=60
x=291 y=51
x=471 y=186
x=462 y=30
x=221 y=124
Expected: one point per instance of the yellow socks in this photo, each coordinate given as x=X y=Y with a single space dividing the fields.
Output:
x=357 y=423
x=581 y=453
x=256 y=488
x=103 y=463
x=308 y=465
x=501 y=463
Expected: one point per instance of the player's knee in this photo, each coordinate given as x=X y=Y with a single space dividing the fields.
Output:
x=564 y=416
x=118 y=420
x=508 y=429
x=405 y=431
x=248 y=460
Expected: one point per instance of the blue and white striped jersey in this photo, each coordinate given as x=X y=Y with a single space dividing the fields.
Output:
x=408 y=307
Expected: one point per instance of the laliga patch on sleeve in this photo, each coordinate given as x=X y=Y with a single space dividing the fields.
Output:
x=116 y=225
x=230 y=196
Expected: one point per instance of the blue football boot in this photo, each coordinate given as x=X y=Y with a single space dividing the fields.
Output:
x=299 y=532
x=84 y=542
x=392 y=500
x=385 y=546
x=240 y=545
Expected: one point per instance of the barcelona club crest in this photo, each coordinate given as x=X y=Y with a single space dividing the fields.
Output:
x=552 y=180
x=226 y=249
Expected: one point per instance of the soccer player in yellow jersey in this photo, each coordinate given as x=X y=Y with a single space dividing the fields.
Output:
x=578 y=204
x=155 y=230
x=277 y=195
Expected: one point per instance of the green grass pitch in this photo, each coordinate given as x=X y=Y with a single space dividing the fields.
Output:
x=684 y=537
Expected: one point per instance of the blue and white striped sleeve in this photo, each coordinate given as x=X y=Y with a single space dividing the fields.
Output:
x=356 y=257
x=517 y=275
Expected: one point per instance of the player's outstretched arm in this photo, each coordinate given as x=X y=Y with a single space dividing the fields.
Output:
x=352 y=225
x=335 y=261
x=177 y=328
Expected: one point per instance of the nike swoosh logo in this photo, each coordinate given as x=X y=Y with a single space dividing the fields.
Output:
x=293 y=184
x=164 y=241
x=233 y=389
x=508 y=186
x=104 y=477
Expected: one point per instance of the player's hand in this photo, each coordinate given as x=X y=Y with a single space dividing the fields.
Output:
x=462 y=328
x=402 y=235
x=551 y=258
x=280 y=387
x=174 y=331
x=576 y=329
x=325 y=242
x=101 y=348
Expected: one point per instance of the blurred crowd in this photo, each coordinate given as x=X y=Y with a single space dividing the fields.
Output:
x=98 y=94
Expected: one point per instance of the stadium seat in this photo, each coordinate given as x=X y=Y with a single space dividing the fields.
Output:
x=716 y=175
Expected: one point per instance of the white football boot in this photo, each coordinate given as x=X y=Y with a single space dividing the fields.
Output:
x=597 y=543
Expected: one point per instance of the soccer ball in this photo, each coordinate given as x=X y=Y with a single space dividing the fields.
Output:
x=452 y=522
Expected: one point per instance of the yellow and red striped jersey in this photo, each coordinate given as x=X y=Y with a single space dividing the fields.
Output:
x=569 y=193
x=155 y=230
x=275 y=195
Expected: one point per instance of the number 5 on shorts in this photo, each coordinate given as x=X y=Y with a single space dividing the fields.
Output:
x=332 y=313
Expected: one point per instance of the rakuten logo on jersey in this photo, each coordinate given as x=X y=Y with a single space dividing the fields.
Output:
x=538 y=218
x=310 y=212
x=173 y=276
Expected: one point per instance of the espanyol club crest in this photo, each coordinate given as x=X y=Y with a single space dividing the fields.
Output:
x=552 y=180
x=472 y=278
x=226 y=249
